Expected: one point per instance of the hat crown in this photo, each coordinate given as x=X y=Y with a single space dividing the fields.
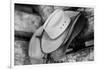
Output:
x=56 y=24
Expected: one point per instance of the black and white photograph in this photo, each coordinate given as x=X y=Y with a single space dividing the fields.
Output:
x=51 y=34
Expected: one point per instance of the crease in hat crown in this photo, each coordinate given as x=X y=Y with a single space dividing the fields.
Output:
x=56 y=23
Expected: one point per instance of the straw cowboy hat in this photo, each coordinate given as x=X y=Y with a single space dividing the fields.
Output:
x=56 y=31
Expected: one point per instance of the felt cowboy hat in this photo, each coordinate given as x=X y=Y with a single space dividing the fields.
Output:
x=56 y=30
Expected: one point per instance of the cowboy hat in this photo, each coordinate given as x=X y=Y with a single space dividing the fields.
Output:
x=53 y=32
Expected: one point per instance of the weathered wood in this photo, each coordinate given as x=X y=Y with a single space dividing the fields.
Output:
x=26 y=22
x=86 y=54
x=23 y=35
x=21 y=52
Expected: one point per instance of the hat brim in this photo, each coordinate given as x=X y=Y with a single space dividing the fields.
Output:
x=49 y=45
